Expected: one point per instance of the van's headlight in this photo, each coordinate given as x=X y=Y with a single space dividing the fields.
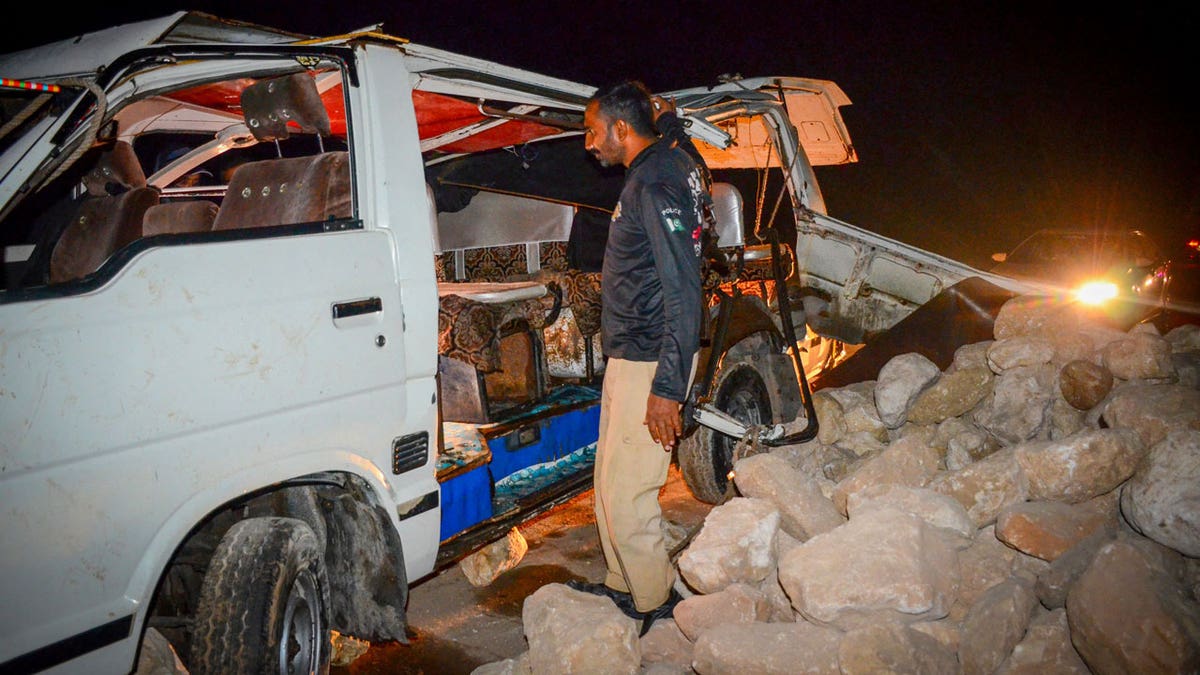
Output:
x=1096 y=292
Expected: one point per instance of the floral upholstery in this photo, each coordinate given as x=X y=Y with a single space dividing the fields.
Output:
x=470 y=331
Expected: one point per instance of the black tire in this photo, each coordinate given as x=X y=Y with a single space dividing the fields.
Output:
x=706 y=457
x=264 y=605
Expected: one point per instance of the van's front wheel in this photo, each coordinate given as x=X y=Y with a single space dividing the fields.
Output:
x=264 y=604
x=706 y=457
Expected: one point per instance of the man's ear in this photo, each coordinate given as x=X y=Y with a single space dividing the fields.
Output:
x=621 y=129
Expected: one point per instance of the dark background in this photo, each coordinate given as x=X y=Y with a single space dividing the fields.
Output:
x=975 y=123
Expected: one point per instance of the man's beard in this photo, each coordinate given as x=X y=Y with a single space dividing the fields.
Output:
x=600 y=158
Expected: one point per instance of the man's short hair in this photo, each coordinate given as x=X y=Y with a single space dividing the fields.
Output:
x=629 y=101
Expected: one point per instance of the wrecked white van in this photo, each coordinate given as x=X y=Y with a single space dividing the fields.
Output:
x=288 y=322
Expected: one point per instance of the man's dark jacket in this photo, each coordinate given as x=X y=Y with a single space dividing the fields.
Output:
x=651 y=277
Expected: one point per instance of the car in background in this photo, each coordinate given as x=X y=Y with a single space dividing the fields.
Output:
x=1184 y=304
x=1123 y=274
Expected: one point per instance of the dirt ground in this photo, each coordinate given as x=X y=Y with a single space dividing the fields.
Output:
x=455 y=627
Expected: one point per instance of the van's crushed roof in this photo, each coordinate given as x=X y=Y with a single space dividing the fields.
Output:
x=464 y=105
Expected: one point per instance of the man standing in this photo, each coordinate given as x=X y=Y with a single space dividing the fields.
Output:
x=650 y=331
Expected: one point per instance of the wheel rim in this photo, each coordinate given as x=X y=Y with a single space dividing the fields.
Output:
x=300 y=643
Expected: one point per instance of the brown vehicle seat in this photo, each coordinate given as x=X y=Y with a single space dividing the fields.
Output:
x=290 y=190
x=108 y=218
x=286 y=190
x=179 y=218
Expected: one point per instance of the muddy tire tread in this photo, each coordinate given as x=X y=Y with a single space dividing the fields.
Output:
x=248 y=577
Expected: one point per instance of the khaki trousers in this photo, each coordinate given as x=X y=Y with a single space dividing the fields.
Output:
x=630 y=471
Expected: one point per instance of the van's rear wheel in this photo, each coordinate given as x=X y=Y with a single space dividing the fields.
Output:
x=706 y=457
x=263 y=605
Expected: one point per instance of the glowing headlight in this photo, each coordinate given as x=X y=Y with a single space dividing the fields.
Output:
x=1096 y=292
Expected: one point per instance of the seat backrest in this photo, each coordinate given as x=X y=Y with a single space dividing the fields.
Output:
x=293 y=189
x=287 y=191
x=268 y=106
x=108 y=217
x=179 y=218
x=727 y=210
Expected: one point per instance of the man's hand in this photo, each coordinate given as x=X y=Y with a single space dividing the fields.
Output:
x=661 y=105
x=662 y=420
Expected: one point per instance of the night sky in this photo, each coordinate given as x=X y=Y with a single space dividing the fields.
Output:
x=975 y=123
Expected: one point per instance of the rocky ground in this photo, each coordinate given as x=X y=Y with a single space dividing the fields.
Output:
x=1033 y=508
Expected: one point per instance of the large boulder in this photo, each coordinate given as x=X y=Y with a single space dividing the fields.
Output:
x=901 y=380
x=883 y=566
x=571 y=631
x=1129 y=614
x=1162 y=500
x=1081 y=466
x=736 y=544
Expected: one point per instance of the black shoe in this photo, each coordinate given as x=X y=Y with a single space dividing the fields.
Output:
x=624 y=601
x=667 y=609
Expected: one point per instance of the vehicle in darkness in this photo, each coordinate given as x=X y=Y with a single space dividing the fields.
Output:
x=1122 y=273
x=290 y=321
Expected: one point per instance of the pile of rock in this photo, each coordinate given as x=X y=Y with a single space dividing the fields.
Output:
x=1035 y=507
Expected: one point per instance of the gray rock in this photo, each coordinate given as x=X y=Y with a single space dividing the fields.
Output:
x=884 y=566
x=735 y=544
x=1055 y=582
x=483 y=566
x=973 y=355
x=859 y=445
x=571 y=631
x=1185 y=338
x=1019 y=404
x=1140 y=356
x=1065 y=419
x=937 y=509
x=1162 y=500
x=994 y=625
x=768 y=649
x=1046 y=648
x=986 y=487
x=947 y=632
x=964 y=442
x=515 y=666
x=859 y=413
x=1073 y=344
x=1153 y=409
x=900 y=381
x=1023 y=350
x=831 y=424
x=1187 y=368
x=1034 y=315
x=954 y=394
x=804 y=511
x=892 y=648
x=1128 y=614
x=736 y=603
x=1081 y=466
x=664 y=643
x=909 y=461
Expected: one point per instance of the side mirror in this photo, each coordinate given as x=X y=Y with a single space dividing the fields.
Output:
x=999 y=257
